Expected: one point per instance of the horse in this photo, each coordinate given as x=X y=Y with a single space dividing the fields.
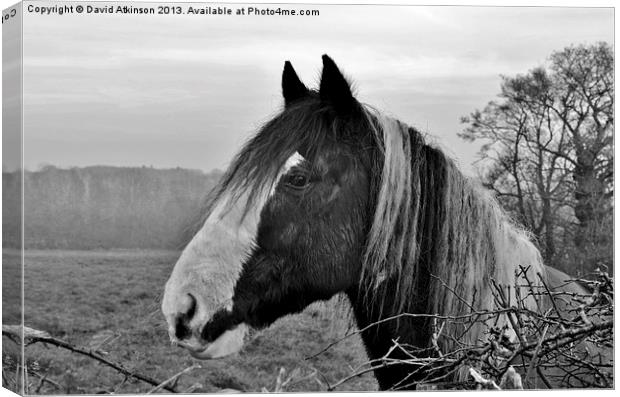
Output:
x=332 y=196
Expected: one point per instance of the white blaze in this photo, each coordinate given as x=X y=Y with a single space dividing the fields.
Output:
x=210 y=266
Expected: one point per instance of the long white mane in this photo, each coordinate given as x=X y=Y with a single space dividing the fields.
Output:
x=430 y=217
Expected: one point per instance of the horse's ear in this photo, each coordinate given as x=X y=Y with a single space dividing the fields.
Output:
x=292 y=88
x=335 y=89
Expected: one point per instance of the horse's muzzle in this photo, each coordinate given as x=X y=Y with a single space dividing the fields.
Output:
x=230 y=342
x=194 y=325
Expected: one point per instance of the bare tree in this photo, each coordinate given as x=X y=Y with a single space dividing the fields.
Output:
x=548 y=152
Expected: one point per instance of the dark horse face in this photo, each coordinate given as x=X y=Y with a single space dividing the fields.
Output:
x=287 y=226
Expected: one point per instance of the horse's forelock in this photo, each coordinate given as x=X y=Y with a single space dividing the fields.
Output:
x=256 y=165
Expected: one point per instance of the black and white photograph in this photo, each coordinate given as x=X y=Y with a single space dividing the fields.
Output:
x=307 y=197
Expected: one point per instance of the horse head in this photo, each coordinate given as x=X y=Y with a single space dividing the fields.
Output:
x=286 y=227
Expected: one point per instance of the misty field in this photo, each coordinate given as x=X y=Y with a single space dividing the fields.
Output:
x=109 y=300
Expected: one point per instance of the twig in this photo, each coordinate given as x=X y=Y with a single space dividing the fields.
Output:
x=173 y=378
x=534 y=359
x=43 y=379
x=555 y=307
x=454 y=318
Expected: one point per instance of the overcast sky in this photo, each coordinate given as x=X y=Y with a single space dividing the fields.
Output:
x=187 y=90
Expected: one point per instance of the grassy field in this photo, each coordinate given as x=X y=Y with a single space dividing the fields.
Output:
x=86 y=297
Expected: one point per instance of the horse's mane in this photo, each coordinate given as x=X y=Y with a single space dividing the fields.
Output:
x=439 y=233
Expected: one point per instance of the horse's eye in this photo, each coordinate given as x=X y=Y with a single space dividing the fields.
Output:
x=297 y=181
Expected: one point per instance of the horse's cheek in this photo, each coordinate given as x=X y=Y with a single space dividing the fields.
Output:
x=288 y=235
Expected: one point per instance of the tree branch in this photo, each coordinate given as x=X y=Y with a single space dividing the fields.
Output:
x=14 y=332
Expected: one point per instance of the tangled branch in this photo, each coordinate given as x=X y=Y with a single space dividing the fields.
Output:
x=565 y=345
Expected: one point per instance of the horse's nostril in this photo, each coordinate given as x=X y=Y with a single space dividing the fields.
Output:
x=188 y=309
x=181 y=330
x=191 y=306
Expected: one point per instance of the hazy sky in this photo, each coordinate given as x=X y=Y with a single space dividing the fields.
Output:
x=187 y=90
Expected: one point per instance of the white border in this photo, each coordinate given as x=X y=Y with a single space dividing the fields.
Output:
x=511 y=3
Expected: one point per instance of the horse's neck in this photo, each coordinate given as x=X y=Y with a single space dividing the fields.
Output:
x=379 y=340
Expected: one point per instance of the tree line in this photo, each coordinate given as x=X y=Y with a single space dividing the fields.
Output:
x=104 y=207
x=547 y=154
